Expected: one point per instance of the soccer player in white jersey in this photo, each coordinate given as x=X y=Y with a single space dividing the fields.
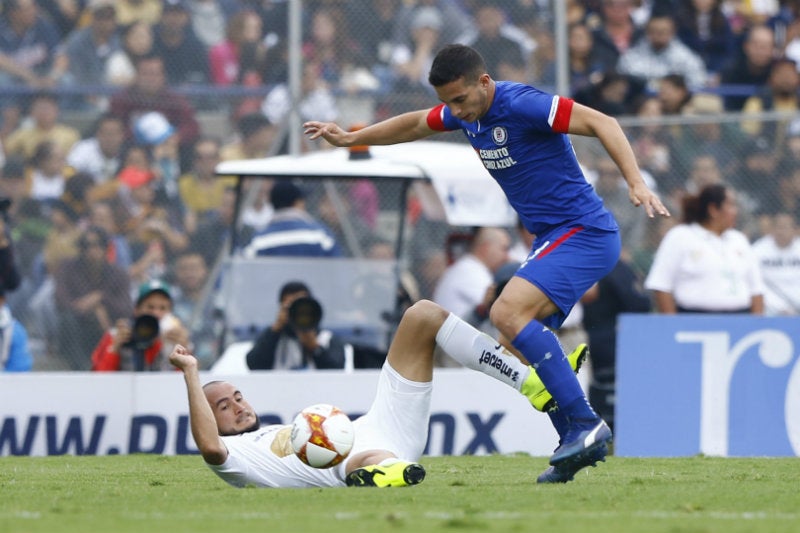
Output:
x=389 y=438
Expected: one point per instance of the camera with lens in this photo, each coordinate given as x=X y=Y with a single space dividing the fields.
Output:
x=144 y=332
x=305 y=314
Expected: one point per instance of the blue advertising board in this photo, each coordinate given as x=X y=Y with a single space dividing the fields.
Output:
x=719 y=385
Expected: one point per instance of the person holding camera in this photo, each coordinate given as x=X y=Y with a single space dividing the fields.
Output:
x=143 y=342
x=15 y=355
x=294 y=341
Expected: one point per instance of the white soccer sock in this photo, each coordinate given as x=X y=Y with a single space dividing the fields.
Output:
x=480 y=352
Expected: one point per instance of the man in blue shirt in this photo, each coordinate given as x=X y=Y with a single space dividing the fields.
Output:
x=520 y=134
x=292 y=230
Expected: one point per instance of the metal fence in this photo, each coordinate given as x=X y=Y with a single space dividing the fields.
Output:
x=361 y=62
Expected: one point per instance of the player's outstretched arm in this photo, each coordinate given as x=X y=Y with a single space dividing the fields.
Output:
x=402 y=128
x=201 y=418
x=590 y=122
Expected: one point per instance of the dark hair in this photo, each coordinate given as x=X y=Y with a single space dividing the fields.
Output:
x=95 y=231
x=285 y=194
x=456 y=61
x=292 y=287
x=107 y=117
x=251 y=123
x=695 y=208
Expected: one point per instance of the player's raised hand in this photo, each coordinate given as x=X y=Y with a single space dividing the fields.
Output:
x=642 y=195
x=181 y=358
x=329 y=131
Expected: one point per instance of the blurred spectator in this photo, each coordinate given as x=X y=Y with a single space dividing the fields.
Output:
x=155 y=233
x=193 y=307
x=43 y=125
x=329 y=44
x=779 y=256
x=88 y=49
x=256 y=136
x=504 y=46
x=149 y=92
x=750 y=65
x=15 y=355
x=375 y=20
x=412 y=62
x=673 y=94
x=212 y=238
x=153 y=131
x=76 y=194
x=650 y=141
x=256 y=209
x=781 y=93
x=132 y=11
x=459 y=20
x=706 y=135
x=90 y=294
x=104 y=215
x=759 y=175
x=316 y=99
x=661 y=53
x=99 y=155
x=292 y=230
x=295 y=341
x=242 y=53
x=611 y=187
x=200 y=189
x=47 y=173
x=615 y=33
x=65 y=16
x=12 y=185
x=209 y=19
x=185 y=57
x=703 y=27
x=705 y=265
x=585 y=67
x=136 y=42
x=142 y=344
x=620 y=291
x=614 y=94
x=463 y=285
x=28 y=49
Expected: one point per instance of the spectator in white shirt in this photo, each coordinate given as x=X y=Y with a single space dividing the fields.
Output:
x=704 y=265
x=779 y=255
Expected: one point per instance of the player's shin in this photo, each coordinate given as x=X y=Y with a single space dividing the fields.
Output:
x=540 y=346
x=480 y=352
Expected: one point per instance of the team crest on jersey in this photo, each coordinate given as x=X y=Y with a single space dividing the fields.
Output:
x=499 y=135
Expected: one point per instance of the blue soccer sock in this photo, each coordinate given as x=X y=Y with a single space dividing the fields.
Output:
x=541 y=348
x=560 y=422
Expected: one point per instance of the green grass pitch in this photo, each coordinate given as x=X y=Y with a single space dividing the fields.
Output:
x=157 y=494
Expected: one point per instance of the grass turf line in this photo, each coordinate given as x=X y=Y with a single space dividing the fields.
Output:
x=491 y=493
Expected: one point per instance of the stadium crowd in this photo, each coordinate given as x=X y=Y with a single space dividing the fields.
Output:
x=114 y=115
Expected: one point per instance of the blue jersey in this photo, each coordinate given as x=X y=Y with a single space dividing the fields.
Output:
x=522 y=142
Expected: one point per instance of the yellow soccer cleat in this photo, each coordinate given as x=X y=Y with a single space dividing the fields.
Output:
x=396 y=474
x=535 y=390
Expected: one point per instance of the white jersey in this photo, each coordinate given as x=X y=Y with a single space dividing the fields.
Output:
x=263 y=458
x=781 y=270
x=706 y=271
x=396 y=422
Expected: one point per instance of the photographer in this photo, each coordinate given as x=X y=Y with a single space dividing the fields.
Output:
x=294 y=341
x=144 y=342
x=15 y=356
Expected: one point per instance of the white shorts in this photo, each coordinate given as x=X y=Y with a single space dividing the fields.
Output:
x=398 y=419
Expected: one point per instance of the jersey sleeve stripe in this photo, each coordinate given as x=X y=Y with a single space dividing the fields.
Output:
x=436 y=118
x=560 y=112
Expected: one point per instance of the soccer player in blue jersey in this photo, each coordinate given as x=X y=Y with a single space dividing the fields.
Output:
x=520 y=134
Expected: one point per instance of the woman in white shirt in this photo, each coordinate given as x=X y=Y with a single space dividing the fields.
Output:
x=704 y=265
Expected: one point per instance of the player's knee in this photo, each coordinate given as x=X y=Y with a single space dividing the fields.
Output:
x=426 y=313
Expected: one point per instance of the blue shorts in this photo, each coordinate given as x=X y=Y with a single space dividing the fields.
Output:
x=566 y=262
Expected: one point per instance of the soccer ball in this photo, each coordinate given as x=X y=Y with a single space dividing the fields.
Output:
x=322 y=436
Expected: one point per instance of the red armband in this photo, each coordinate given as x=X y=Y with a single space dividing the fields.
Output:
x=436 y=118
x=560 y=112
